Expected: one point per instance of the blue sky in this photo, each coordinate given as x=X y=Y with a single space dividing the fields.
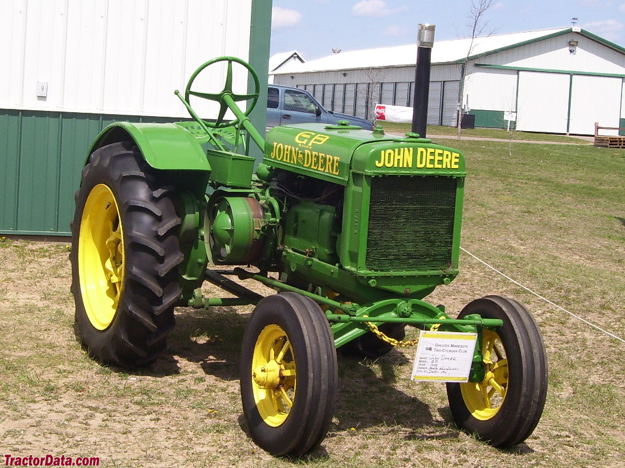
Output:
x=315 y=27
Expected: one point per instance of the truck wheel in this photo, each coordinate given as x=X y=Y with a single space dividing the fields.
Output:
x=504 y=408
x=289 y=378
x=124 y=258
x=370 y=346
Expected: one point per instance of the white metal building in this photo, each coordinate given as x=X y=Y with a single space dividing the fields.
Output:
x=558 y=80
x=70 y=67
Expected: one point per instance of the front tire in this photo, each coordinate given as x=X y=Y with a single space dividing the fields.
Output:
x=505 y=407
x=289 y=377
x=124 y=258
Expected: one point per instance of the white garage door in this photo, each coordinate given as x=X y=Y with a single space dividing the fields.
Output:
x=543 y=102
x=434 y=103
x=595 y=99
x=451 y=89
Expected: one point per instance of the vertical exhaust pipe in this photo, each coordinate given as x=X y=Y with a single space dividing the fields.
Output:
x=425 y=42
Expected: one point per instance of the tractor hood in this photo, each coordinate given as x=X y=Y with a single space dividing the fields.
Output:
x=330 y=152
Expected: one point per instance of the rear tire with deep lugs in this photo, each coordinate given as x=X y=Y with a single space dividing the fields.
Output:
x=124 y=257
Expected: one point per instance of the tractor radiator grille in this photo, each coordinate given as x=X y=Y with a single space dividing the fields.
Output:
x=411 y=223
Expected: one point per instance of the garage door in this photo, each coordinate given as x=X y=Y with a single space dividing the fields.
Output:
x=543 y=102
x=434 y=103
x=451 y=89
x=595 y=99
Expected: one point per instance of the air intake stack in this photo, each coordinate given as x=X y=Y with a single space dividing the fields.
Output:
x=425 y=42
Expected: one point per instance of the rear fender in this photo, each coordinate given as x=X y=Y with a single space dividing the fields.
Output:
x=164 y=146
x=175 y=151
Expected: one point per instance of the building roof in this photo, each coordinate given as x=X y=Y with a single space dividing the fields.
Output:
x=451 y=51
x=278 y=60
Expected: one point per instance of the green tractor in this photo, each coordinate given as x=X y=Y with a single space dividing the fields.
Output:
x=352 y=228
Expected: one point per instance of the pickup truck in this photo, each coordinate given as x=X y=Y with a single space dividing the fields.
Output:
x=287 y=106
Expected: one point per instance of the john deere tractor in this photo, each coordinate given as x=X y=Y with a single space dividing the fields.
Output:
x=352 y=228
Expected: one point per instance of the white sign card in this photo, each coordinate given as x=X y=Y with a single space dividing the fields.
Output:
x=444 y=356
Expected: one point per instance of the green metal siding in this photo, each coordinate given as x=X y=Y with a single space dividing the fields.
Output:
x=38 y=181
x=9 y=167
x=41 y=157
x=489 y=118
x=259 y=60
x=622 y=125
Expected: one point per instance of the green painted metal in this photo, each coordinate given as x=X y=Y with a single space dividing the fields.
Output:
x=41 y=157
x=622 y=127
x=321 y=151
x=165 y=146
x=482 y=322
x=191 y=239
x=405 y=242
x=489 y=118
x=549 y=70
x=361 y=222
x=569 y=105
x=260 y=37
x=348 y=325
x=10 y=142
x=39 y=175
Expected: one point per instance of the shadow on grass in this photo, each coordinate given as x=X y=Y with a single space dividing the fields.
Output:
x=369 y=399
x=211 y=338
x=366 y=398
x=367 y=395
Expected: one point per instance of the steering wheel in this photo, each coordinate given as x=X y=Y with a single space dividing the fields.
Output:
x=227 y=99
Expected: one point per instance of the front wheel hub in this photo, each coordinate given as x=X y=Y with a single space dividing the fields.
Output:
x=269 y=375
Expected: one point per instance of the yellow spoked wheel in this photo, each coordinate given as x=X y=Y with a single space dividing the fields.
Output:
x=101 y=256
x=289 y=377
x=125 y=254
x=484 y=399
x=274 y=375
x=504 y=407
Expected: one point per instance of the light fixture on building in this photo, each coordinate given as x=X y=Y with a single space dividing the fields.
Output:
x=573 y=46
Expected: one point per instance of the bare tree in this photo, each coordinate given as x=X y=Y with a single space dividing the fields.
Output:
x=372 y=91
x=476 y=24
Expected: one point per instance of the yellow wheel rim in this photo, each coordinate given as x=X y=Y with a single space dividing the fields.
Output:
x=101 y=256
x=273 y=375
x=484 y=399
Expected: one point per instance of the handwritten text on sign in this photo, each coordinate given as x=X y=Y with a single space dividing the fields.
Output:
x=444 y=356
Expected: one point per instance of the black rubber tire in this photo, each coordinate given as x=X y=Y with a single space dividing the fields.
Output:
x=370 y=346
x=527 y=376
x=144 y=312
x=313 y=347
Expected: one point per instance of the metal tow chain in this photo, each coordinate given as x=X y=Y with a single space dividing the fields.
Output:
x=392 y=341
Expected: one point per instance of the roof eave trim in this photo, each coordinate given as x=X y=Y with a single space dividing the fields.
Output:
x=548 y=70
x=517 y=44
x=601 y=40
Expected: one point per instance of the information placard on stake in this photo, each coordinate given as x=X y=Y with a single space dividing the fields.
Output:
x=444 y=356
